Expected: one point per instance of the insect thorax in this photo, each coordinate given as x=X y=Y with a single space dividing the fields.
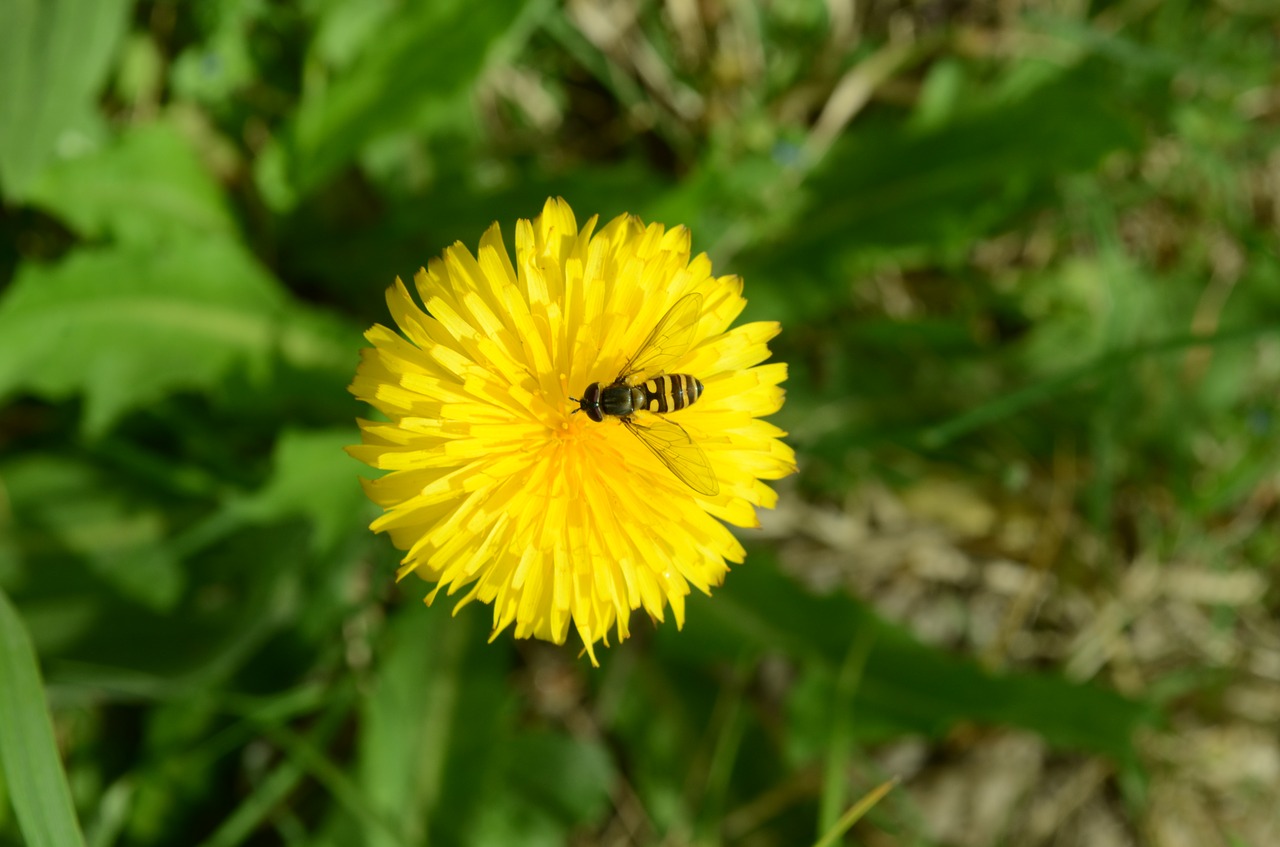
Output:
x=620 y=399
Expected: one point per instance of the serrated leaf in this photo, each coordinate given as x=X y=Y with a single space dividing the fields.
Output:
x=36 y=781
x=422 y=56
x=126 y=325
x=54 y=58
x=146 y=186
x=313 y=478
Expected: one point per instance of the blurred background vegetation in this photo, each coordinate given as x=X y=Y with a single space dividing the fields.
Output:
x=1025 y=255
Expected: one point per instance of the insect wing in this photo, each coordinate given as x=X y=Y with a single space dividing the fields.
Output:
x=668 y=341
x=680 y=453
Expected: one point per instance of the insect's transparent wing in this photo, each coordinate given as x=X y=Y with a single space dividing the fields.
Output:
x=680 y=453
x=669 y=340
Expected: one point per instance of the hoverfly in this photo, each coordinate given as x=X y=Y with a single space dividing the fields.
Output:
x=642 y=385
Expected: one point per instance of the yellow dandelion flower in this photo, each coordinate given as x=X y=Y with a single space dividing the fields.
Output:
x=528 y=458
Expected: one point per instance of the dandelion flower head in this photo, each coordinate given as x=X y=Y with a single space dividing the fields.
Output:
x=495 y=488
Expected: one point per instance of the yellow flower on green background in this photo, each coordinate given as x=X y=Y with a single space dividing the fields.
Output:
x=497 y=488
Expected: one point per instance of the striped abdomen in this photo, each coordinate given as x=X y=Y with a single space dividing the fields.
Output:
x=670 y=392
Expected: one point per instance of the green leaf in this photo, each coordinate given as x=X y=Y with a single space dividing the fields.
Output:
x=147 y=186
x=127 y=325
x=416 y=62
x=341 y=250
x=221 y=67
x=526 y=807
x=54 y=58
x=937 y=186
x=73 y=508
x=584 y=774
x=430 y=728
x=441 y=754
x=32 y=768
x=315 y=479
x=906 y=686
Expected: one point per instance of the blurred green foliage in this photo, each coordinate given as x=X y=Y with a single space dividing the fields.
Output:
x=991 y=235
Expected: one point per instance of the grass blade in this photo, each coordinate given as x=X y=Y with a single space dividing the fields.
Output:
x=937 y=436
x=835 y=778
x=855 y=813
x=32 y=768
